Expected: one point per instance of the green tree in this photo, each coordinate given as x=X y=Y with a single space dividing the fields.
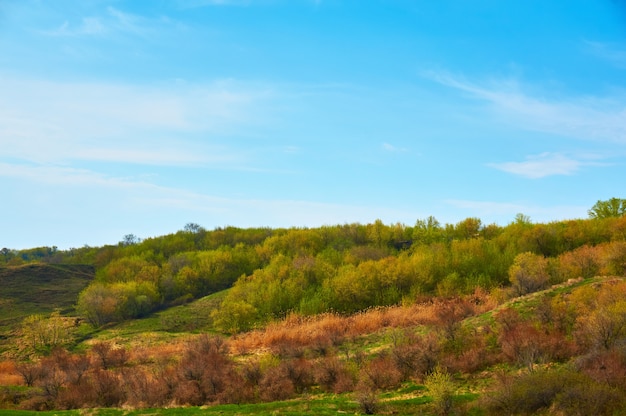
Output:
x=98 y=304
x=427 y=231
x=235 y=316
x=614 y=207
x=468 y=228
x=529 y=273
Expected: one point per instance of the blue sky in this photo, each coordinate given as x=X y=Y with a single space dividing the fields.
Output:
x=121 y=117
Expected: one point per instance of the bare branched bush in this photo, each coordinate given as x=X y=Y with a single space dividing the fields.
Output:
x=367 y=397
x=276 y=385
x=382 y=373
x=334 y=376
x=605 y=366
x=30 y=372
x=108 y=356
x=562 y=391
x=416 y=356
x=204 y=371
x=107 y=388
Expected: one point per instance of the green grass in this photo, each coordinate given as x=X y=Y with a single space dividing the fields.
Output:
x=166 y=325
x=406 y=401
x=526 y=304
x=40 y=288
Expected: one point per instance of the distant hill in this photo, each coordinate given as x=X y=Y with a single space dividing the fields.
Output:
x=40 y=288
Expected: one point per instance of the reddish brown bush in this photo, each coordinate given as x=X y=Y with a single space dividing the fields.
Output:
x=73 y=366
x=204 y=371
x=30 y=372
x=449 y=314
x=189 y=392
x=476 y=352
x=109 y=356
x=382 y=373
x=367 y=397
x=333 y=375
x=300 y=372
x=527 y=345
x=76 y=396
x=276 y=385
x=144 y=390
x=107 y=388
x=605 y=367
x=416 y=356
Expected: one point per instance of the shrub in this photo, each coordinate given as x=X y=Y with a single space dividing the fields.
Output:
x=107 y=388
x=382 y=373
x=76 y=396
x=108 y=356
x=536 y=391
x=367 y=398
x=333 y=375
x=607 y=367
x=589 y=398
x=604 y=327
x=30 y=372
x=416 y=356
x=205 y=370
x=276 y=385
x=441 y=387
x=529 y=273
x=300 y=372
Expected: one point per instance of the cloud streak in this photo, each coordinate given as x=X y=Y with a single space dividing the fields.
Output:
x=542 y=165
x=608 y=52
x=587 y=118
x=140 y=197
x=112 y=21
x=193 y=4
x=53 y=122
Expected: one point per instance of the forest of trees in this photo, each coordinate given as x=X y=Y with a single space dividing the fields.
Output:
x=343 y=268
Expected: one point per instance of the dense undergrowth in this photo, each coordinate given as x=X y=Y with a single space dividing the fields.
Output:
x=461 y=318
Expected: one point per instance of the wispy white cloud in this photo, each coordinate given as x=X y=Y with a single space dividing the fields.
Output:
x=581 y=117
x=192 y=4
x=542 y=165
x=53 y=122
x=108 y=22
x=87 y=26
x=388 y=147
x=614 y=54
x=62 y=176
x=140 y=196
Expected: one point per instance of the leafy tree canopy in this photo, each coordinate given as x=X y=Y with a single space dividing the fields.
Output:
x=614 y=207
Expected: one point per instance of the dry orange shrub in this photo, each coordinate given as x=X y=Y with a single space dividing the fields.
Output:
x=8 y=374
x=325 y=330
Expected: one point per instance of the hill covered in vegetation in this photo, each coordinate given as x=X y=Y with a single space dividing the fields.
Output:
x=467 y=317
x=37 y=288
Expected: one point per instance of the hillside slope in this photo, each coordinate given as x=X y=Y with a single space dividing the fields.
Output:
x=39 y=288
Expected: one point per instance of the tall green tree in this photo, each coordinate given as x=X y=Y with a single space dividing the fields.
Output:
x=614 y=207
